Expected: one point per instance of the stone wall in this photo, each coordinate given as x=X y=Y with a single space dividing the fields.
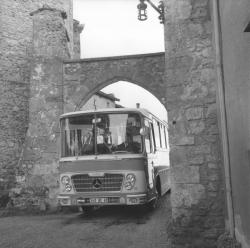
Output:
x=41 y=153
x=197 y=194
x=16 y=31
x=77 y=30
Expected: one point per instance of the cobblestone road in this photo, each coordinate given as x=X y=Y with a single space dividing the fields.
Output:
x=113 y=227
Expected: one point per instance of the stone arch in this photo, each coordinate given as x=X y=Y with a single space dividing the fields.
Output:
x=115 y=80
x=84 y=77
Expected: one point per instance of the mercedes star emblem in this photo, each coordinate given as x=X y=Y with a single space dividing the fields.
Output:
x=97 y=183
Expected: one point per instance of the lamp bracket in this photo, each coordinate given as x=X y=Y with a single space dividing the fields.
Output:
x=159 y=9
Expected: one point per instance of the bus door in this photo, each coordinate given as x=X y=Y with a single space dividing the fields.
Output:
x=150 y=150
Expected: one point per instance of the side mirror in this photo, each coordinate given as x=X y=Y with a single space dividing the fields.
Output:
x=143 y=131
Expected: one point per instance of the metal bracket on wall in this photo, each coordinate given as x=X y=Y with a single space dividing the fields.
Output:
x=247 y=29
x=142 y=13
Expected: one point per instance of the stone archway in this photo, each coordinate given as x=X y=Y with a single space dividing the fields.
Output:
x=190 y=99
x=185 y=81
x=84 y=77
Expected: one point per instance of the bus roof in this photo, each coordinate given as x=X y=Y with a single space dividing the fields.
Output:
x=142 y=111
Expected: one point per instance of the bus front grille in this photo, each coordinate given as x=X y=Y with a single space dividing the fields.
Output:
x=108 y=182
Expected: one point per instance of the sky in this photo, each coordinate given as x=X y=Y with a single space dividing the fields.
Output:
x=131 y=94
x=111 y=28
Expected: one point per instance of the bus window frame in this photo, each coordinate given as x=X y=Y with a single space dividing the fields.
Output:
x=148 y=125
x=160 y=135
x=165 y=136
x=153 y=136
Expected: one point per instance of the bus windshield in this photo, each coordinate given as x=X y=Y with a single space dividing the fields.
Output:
x=103 y=133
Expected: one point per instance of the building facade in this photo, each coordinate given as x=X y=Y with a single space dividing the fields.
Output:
x=100 y=100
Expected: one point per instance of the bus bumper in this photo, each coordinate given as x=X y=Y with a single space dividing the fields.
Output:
x=127 y=199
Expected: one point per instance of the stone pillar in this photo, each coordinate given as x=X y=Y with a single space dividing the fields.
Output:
x=40 y=161
x=77 y=29
x=197 y=195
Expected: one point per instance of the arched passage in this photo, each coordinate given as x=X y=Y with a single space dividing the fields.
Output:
x=188 y=94
x=114 y=81
x=82 y=78
x=124 y=94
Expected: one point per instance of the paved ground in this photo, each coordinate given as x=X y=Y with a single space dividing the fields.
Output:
x=117 y=227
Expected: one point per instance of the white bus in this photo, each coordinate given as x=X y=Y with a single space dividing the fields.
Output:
x=113 y=157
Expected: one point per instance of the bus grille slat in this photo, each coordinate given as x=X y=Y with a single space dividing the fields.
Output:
x=108 y=182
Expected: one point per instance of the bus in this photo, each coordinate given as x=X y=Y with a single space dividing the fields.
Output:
x=116 y=156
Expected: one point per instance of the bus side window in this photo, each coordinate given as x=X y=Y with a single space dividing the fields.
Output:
x=159 y=130
x=156 y=134
x=165 y=136
x=149 y=138
x=152 y=137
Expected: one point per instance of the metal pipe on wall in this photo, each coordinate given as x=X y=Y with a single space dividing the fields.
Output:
x=223 y=119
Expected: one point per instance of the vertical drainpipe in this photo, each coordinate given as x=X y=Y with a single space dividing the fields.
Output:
x=223 y=120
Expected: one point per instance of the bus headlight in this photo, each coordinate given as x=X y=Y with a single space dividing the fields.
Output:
x=68 y=187
x=130 y=181
x=65 y=180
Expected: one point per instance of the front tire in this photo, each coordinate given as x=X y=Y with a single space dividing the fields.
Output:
x=153 y=204
x=88 y=210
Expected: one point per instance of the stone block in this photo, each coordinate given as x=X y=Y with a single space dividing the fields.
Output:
x=51 y=180
x=184 y=10
x=35 y=181
x=186 y=195
x=194 y=113
x=207 y=74
x=212 y=165
x=199 y=150
x=184 y=140
x=177 y=76
x=200 y=13
x=214 y=175
x=212 y=111
x=196 y=160
x=173 y=94
x=195 y=91
x=213 y=186
x=211 y=158
x=196 y=127
x=185 y=174
x=45 y=169
x=178 y=155
x=206 y=139
x=176 y=128
x=195 y=29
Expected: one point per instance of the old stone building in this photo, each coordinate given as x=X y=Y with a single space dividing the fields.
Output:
x=202 y=79
x=101 y=100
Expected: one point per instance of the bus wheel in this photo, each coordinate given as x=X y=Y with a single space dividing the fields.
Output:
x=88 y=210
x=153 y=204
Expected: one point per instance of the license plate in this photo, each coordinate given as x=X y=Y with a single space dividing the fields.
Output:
x=98 y=200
